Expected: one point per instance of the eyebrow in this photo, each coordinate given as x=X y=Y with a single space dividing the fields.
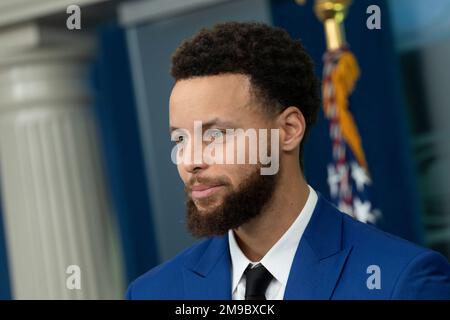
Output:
x=213 y=122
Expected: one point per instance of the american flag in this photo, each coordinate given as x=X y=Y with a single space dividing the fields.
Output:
x=348 y=177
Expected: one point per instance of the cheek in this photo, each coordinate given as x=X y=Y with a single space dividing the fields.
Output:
x=239 y=173
x=183 y=174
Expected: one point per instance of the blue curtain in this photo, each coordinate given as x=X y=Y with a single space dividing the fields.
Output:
x=378 y=107
x=118 y=125
x=5 y=291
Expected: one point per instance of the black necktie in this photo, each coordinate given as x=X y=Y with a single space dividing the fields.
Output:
x=257 y=281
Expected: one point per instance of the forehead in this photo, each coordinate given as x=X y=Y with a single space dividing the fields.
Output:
x=226 y=97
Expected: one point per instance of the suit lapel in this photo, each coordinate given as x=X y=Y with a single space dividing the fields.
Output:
x=320 y=257
x=208 y=277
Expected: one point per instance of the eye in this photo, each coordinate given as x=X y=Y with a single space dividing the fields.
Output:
x=178 y=137
x=214 y=134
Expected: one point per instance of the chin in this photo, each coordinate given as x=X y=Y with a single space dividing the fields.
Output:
x=206 y=205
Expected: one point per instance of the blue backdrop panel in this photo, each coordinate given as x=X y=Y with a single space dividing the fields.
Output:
x=377 y=105
x=117 y=120
x=5 y=291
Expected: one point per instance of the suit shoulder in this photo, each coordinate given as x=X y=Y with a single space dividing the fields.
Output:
x=394 y=252
x=427 y=276
x=406 y=270
x=367 y=237
x=154 y=283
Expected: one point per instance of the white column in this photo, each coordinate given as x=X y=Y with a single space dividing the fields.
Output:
x=55 y=201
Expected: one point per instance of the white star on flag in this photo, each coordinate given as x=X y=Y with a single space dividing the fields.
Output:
x=362 y=211
x=359 y=176
x=333 y=180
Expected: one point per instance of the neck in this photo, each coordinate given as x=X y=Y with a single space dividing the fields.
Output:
x=256 y=237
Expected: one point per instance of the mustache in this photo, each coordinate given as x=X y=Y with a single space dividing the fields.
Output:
x=206 y=181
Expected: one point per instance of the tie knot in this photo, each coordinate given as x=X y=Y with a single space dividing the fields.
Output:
x=257 y=280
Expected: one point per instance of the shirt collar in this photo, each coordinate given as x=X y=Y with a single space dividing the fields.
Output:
x=283 y=250
x=239 y=261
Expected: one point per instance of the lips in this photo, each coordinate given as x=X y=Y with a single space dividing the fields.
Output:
x=199 y=191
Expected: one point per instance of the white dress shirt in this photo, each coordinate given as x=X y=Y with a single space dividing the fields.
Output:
x=278 y=260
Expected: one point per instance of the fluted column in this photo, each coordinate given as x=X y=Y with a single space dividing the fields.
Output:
x=55 y=202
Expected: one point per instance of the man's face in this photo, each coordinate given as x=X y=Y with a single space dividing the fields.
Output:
x=219 y=196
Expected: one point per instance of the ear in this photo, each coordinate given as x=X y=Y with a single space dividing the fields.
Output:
x=292 y=125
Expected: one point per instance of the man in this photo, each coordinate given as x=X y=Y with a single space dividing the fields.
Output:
x=268 y=236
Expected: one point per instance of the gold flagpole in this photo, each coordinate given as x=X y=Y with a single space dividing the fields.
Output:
x=332 y=14
x=340 y=74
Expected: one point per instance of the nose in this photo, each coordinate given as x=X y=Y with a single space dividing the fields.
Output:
x=195 y=167
x=193 y=160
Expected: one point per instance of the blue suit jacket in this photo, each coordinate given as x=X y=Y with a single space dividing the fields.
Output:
x=337 y=258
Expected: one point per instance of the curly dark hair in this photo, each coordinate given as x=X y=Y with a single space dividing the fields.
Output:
x=281 y=72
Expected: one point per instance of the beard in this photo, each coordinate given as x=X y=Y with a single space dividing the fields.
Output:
x=237 y=207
